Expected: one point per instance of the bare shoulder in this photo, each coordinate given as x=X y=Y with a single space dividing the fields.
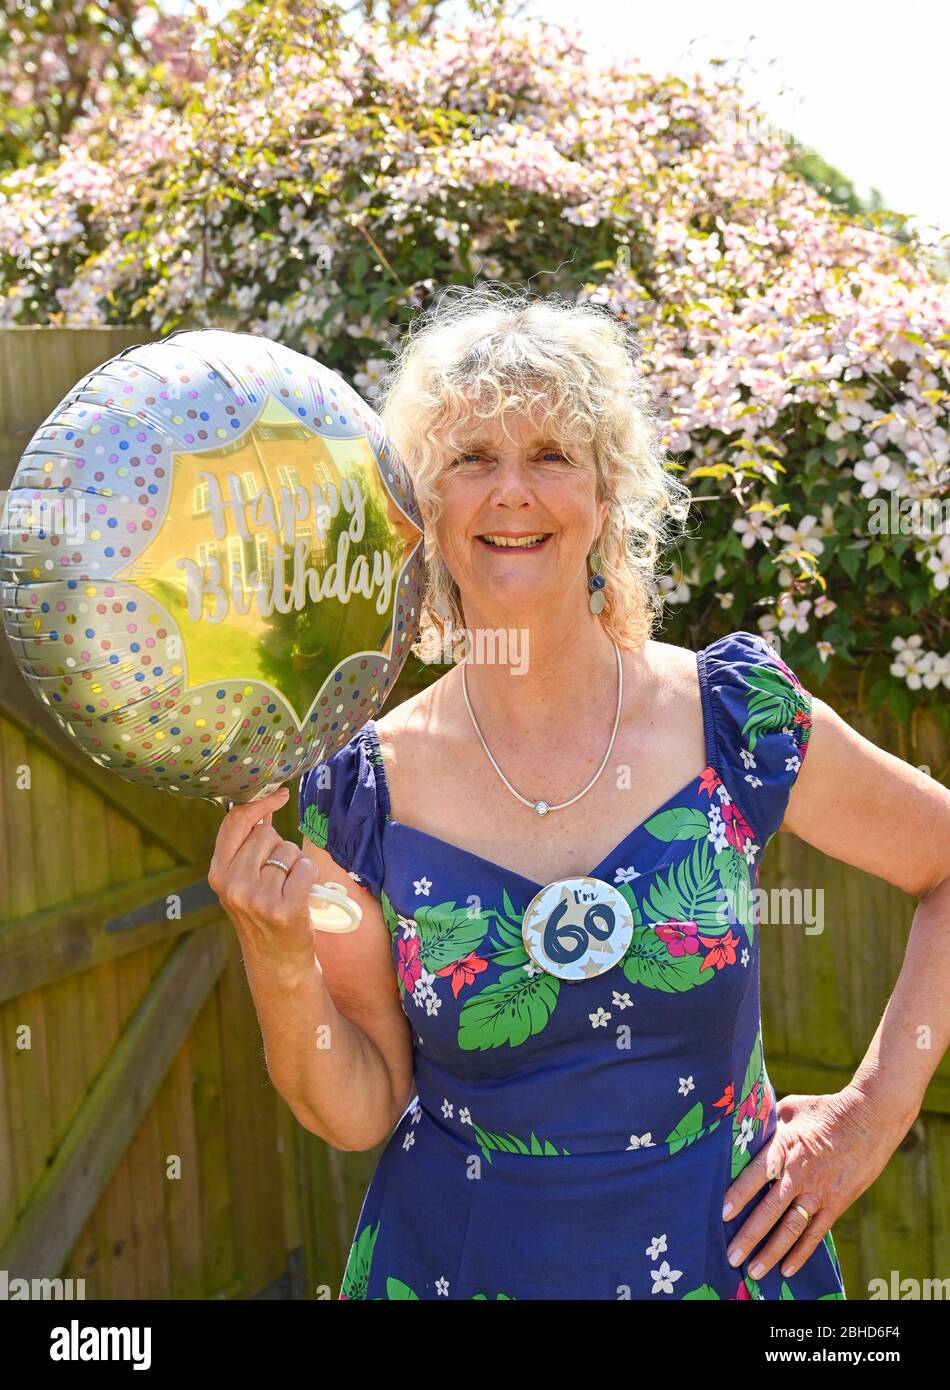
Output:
x=406 y=730
x=673 y=670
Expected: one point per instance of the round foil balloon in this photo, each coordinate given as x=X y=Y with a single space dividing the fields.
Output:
x=211 y=564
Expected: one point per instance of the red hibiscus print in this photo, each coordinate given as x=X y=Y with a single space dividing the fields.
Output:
x=723 y=951
x=737 y=828
x=766 y=1107
x=726 y=1100
x=751 y=1103
x=741 y=1292
x=409 y=966
x=463 y=971
x=680 y=937
x=709 y=781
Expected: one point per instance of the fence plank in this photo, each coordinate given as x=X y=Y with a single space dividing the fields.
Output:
x=113 y=1108
x=98 y=927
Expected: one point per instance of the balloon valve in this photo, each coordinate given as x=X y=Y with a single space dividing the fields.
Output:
x=335 y=911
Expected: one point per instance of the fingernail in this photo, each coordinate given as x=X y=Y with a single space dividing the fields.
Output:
x=756 y=1270
x=727 y=1211
x=735 y=1256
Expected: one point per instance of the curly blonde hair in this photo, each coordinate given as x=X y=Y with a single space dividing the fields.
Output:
x=480 y=351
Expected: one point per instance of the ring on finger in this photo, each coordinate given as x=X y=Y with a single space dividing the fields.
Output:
x=279 y=863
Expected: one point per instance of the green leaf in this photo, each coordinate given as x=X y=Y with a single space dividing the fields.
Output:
x=510 y=1011
x=390 y=915
x=688 y=893
x=774 y=704
x=681 y=823
x=755 y=1071
x=315 y=826
x=850 y=560
x=689 y=1127
x=510 y=1143
x=395 y=1288
x=359 y=1262
x=733 y=873
x=447 y=933
x=648 y=962
x=704 y=1291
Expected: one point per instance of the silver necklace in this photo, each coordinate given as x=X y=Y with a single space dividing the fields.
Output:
x=543 y=807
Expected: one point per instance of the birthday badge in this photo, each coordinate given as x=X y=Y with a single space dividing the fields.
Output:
x=577 y=928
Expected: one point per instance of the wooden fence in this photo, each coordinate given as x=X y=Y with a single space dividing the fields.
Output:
x=142 y=1146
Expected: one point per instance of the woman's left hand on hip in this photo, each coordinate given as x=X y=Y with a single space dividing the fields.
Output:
x=826 y=1150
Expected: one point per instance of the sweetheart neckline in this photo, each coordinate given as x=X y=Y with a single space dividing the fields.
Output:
x=591 y=873
x=708 y=740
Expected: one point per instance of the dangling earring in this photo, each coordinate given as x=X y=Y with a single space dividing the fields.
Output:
x=596 y=583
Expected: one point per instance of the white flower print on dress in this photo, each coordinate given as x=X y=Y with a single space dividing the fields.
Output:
x=622 y=1001
x=409 y=1140
x=442 y=1286
x=657 y=1246
x=748 y=759
x=409 y=927
x=746 y=1133
x=663 y=1278
x=793 y=764
x=448 y=1109
x=686 y=1085
x=422 y=885
x=749 y=850
x=717 y=829
x=423 y=993
x=626 y=875
x=465 y=1116
x=599 y=1019
x=645 y=1141
x=753 y=781
x=744 y=958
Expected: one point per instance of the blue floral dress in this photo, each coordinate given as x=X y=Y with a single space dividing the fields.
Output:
x=575 y=1139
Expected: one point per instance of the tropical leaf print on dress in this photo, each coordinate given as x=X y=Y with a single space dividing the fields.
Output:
x=359 y=1263
x=778 y=702
x=752 y=1112
x=508 y=1012
x=510 y=1143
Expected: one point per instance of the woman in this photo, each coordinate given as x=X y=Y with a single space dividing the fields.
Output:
x=593 y=1116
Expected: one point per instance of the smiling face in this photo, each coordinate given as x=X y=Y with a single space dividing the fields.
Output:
x=516 y=490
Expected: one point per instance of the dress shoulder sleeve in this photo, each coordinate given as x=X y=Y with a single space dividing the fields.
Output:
x=343 y=805
x=761 y=716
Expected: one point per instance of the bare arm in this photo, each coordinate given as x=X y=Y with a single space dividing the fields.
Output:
x=336 y=1040
x=860 y=804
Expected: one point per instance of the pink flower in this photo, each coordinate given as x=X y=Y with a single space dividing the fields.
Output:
x=680 y=937
x=409 y=966
x=736 y=827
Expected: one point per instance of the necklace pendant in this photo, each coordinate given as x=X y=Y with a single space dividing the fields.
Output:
x=541 y=807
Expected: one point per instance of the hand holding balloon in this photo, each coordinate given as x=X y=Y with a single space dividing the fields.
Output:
x=270 y=906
